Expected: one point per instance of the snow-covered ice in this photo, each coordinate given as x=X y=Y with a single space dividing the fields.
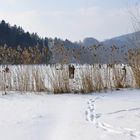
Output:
x=101 y=116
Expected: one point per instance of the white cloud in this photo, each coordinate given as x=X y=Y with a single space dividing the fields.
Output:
x=10 y=1
x=93 y=21
x=74 y=25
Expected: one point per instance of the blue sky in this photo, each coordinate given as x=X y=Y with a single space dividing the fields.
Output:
x=71 y=19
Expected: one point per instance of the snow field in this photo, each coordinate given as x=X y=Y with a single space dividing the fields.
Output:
x=104 y=116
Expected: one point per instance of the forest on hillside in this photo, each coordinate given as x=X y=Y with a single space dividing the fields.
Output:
x=20 y=47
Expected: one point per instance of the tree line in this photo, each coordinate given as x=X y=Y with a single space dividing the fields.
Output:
x=20 y=47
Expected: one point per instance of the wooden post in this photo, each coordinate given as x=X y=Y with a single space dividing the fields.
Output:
x=71 y=71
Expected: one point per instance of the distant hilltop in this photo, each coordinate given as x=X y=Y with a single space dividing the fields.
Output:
x=88 y=51
x=14 y=36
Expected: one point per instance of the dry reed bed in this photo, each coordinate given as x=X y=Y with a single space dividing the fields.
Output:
x=55 y=78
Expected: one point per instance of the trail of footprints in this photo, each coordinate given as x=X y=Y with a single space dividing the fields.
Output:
x=90 y=112
x=93 y=117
